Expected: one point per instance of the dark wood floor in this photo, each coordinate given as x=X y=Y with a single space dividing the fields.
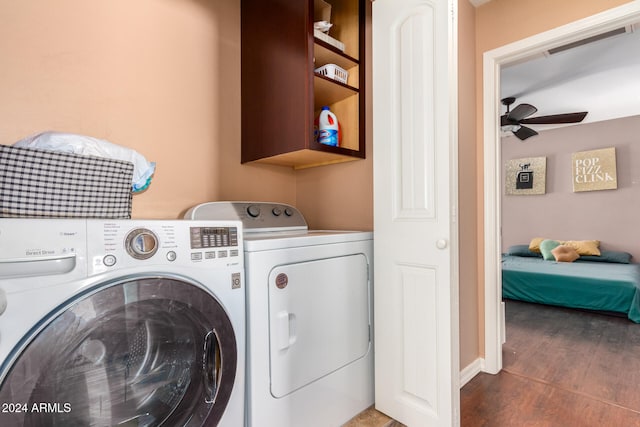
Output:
x=561 y=368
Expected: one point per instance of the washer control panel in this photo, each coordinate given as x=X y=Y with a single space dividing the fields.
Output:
x=130 y=243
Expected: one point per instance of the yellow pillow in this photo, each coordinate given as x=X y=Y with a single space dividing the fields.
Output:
x=534 y=246
x=584 y=247
x=565 y=253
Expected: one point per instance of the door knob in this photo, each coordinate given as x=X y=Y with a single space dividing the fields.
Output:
x=441 y=244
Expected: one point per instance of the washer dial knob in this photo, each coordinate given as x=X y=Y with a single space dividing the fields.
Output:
x=141 y=243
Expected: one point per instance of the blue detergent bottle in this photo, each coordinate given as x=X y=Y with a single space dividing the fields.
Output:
x=328 y=128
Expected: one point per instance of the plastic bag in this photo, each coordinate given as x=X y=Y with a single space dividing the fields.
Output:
x=80 y=144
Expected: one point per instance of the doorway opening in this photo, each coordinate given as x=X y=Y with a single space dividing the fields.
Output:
x=493 y=61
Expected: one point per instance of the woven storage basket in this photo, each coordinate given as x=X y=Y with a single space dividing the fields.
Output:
x=48 y=184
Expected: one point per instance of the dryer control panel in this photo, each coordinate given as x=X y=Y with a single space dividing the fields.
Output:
x=256 y=217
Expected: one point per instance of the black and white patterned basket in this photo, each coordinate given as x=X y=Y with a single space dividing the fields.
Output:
x=48 y=184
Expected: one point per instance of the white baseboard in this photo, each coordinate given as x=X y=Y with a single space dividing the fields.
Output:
x=470 y=371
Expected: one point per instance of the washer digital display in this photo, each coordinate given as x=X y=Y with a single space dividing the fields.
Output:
x=213 y=237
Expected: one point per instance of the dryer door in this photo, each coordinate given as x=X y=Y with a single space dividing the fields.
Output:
x=143 y=352
x=318 y=319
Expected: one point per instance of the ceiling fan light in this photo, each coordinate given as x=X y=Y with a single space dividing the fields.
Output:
x=511 y=128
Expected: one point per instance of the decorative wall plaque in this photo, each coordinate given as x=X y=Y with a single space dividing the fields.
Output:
x=594 y=170
x=526 y=176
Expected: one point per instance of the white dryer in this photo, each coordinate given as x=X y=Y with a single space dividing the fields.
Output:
x=309 y=316
x=121 y=322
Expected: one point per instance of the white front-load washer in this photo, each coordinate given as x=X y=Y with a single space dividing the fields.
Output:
x=309 y=316
x=121 y=322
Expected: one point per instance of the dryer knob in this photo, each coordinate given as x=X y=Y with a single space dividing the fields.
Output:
x=141 y=243
x=288 y=211
x=253 y=211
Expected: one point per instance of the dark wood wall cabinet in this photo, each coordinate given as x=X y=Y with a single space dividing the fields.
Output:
x=282 y=94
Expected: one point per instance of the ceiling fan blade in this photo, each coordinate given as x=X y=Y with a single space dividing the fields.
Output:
x=521 y=111
x=556 y=118
x=524 y=133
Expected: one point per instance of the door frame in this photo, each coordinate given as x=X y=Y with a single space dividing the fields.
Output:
x=492 y=62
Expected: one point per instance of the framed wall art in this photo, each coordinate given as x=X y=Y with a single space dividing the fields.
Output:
x=594 y=170
x=526 y=176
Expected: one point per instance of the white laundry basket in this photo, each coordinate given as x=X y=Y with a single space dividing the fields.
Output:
x=334 y=72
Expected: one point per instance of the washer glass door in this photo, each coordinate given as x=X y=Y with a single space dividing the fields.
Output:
x=142 y=352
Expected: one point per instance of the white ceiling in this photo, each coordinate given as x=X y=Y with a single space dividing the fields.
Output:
x=601 y=77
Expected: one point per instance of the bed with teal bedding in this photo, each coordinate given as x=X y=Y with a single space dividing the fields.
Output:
x=602 y=286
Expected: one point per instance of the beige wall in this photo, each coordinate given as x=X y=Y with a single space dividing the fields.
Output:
x=499 y=23
x=161 y=77
x=467 y=190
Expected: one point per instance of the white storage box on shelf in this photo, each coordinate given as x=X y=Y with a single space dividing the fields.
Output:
x=328 y=39
x=334 y=72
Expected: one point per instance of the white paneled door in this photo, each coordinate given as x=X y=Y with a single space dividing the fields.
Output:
x=415 y=202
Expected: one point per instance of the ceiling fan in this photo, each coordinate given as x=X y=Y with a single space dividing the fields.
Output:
x=513 y=120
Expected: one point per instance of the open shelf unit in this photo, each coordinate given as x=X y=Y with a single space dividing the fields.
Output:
x=281 y=93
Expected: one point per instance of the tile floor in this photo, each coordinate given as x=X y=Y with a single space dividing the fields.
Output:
x=372 y=418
